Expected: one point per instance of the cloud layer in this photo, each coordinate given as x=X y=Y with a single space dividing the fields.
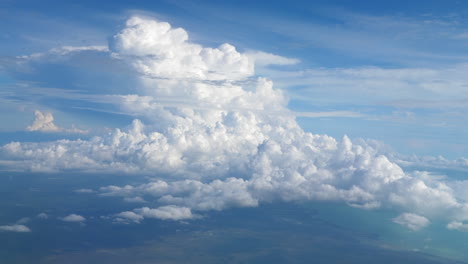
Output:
x=216 y=137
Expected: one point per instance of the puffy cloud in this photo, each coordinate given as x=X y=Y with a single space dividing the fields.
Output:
x=15 y=228
x=412 y=221
x=214 y=137
x=455 y=225
x=160 y=51
x=44 y=122
x=42 y=216
x=169 y=212
x=128 y=217
x=73 y=218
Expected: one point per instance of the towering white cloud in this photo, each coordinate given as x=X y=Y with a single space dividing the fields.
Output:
x=163 y=52
x=44 y=122
x=216 y=137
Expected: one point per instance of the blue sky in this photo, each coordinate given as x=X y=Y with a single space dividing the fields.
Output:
x=237 y=104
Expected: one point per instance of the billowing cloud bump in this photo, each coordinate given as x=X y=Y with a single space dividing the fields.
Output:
x=164 y=52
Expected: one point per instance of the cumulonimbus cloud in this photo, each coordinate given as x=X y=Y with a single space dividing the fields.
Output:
x=227 y=147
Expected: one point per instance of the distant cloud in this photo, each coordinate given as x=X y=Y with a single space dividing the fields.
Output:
x=170 y=212
x=64 y=50
x=412 y=221
x=262 y=59
x=44 y=122
x=456 y=225
x=73 y=218
x=42 y=216
x=15 y=228
x=128 y=217
x=84 y=191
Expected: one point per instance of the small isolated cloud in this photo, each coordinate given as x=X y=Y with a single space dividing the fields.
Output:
x=44 y=122
x=262 y=59
x=73 y=218
x=169 y=212
x=456 y=225
x=15 y=228
x=412 y=221
x=84 y=191
x=128 y=216
x=42 y=216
